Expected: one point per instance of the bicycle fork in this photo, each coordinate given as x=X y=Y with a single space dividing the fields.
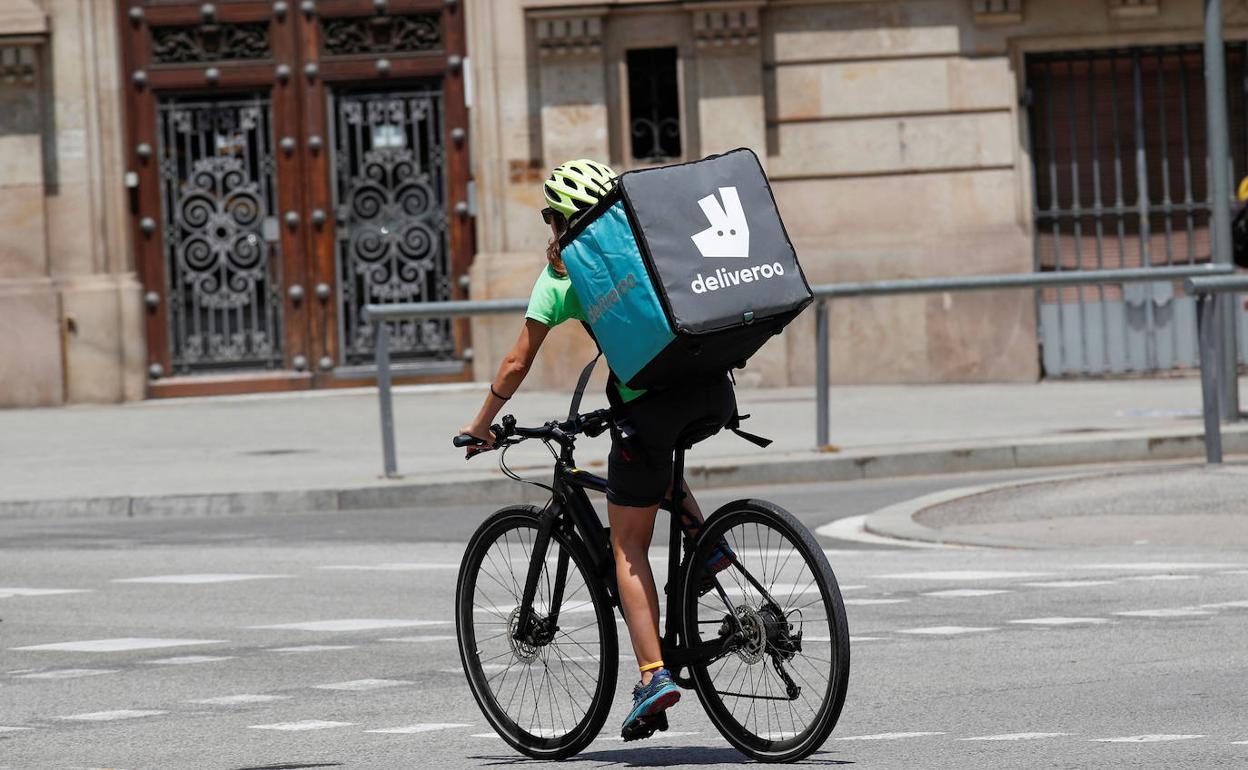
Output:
x=529 y=628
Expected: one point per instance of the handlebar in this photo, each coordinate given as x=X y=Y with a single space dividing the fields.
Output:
x=564 y=433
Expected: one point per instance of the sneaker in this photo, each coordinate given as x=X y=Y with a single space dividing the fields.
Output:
x=649 y=703
x=720 y=559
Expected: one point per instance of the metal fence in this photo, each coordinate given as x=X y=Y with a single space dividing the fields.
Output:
x=380 y=315
x=1121 y=173
x=1216 y=390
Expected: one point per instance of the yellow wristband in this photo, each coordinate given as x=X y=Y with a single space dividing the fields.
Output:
x=652 y=667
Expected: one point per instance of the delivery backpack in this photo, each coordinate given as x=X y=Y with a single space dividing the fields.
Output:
x=684 y=271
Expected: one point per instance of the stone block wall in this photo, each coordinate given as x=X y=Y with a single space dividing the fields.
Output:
x=69 y=300
x=892 y=131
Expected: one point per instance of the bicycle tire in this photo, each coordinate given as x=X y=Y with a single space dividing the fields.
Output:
x=579 y=735
x=801 y=743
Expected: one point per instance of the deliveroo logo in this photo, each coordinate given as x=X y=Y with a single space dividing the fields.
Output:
x=729 y=234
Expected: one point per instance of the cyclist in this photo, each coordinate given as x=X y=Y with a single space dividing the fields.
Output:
x=643 y=438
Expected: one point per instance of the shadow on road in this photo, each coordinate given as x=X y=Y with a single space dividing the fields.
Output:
x=660 y=756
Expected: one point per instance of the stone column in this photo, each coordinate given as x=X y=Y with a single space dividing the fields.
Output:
x=70 y=312
x=30 y=346
x=731 y=111
x=572 y=84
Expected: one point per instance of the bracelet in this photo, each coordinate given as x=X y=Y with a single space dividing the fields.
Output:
x=498 y=395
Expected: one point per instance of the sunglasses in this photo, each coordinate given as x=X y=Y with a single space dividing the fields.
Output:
x=550 y=216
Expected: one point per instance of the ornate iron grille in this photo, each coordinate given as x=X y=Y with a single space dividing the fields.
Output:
x=210 y=42
x=414 y=33
x=222 y=249
x=390 y=206
x=654 y=104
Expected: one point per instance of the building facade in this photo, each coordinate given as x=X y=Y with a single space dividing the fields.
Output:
x=201 y=197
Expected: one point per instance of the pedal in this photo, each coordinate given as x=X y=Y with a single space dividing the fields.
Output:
x=645 y=727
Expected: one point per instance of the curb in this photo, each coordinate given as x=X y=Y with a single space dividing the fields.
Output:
x=899 y=521
x=792 y=468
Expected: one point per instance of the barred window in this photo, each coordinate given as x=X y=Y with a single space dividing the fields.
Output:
x=654 y=105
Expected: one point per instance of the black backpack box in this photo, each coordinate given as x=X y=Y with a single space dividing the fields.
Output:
x=686 y=270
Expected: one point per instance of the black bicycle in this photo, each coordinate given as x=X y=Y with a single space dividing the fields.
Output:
x=764 y=643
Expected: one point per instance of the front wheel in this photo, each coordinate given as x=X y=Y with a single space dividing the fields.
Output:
x=546 y=691
x=776 y=690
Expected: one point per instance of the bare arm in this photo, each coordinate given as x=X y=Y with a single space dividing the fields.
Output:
x=510 y=374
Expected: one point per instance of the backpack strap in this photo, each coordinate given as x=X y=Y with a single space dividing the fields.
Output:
x=734 y=425
x=581 y=383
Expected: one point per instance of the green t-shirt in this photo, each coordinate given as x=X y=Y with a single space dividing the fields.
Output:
x=554 y=301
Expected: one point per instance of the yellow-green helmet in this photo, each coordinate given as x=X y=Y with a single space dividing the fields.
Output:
x=576 y=185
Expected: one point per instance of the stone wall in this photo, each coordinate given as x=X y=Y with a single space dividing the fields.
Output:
x=891 y=130
x=69 y=300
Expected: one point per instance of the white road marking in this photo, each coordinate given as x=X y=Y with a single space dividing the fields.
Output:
x=505 y=610
x=966 y=593
x=1242 y=604
x=420 y=728
x=417 y=639
x=118 y=645
x=390 y=567
x=1162 y=578
x=1061 y=621
x=864 y=602
x=239 y=700
x=885 y=736
x=484 y=735
x=853 y=529
x=1015 y=737
x=362 y=685
x=780 y=589
x=946 y=630
x=197 y=579
x=1181 y=612
x=314 y=648
x=487 y=667
x=9 y=593
x=351 y=624
x=1070 y=583
x=1146 y=738
x=305 y=724
x=851 y=639
x=1234 y=572
x=109 y=716
x=69 y=673
x=14 y=728
x=1160 y=566
x=963 y=574
x=184 y=660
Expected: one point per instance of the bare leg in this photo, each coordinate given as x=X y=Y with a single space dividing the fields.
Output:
x=631 y=530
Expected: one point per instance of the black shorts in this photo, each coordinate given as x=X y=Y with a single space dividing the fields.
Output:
x=639 y=468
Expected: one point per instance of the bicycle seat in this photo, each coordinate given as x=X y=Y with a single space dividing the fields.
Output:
x=696 y=431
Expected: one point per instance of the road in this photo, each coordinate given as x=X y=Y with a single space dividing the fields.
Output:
x=325 y=641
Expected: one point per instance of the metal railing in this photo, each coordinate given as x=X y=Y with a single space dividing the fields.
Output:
x=379 y=314
x=1218 y=390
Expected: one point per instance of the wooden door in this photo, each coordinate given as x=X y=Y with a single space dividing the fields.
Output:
x=292 y=162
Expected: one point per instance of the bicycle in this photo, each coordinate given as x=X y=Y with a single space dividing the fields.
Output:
x=544 y=674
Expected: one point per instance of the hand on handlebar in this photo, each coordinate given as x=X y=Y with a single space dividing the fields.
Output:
x=474 y=443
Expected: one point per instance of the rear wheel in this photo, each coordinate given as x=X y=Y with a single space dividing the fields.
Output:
x=547 y=693
x=777 y=691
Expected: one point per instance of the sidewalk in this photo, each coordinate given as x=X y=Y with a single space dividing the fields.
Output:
x=305 y=451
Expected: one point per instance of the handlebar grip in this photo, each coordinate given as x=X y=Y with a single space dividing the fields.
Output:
x=463 y=440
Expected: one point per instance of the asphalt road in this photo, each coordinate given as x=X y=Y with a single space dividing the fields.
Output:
x=309 y=641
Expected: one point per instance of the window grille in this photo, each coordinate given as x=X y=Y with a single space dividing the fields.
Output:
x=654 y=105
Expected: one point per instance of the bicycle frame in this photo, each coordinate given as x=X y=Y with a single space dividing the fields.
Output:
x=570 y=508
